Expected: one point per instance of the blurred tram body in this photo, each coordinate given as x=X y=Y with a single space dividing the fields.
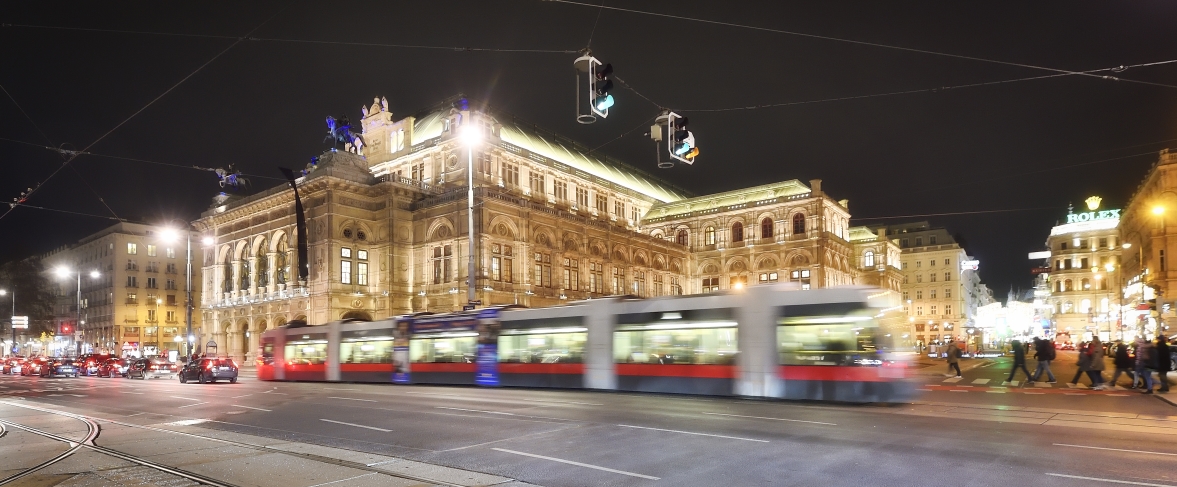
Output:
x=823 y=344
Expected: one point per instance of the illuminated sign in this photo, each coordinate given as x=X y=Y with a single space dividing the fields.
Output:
x=969 y=265
x=1044 y=254
x=1095 y=213
x=1040 y=270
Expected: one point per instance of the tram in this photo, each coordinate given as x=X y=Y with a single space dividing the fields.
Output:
x=763 y=341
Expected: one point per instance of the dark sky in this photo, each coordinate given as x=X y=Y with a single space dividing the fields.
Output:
x=261 y=104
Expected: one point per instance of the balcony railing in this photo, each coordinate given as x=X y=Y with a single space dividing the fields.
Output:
x=260 y=297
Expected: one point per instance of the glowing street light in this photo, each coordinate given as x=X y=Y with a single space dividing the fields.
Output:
x=471 y=136
x=1158 y=210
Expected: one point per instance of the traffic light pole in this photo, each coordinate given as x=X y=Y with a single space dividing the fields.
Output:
x=78 y=318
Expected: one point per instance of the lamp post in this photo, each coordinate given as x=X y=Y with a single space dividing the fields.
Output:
x=158 y=329
x=170 y=235
x=471 y=136
x=10 y=323
x=64 y=272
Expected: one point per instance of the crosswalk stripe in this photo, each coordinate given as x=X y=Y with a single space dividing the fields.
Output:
x=953 y=379
x=981 y=381
x=1041 y=384
x=1076 y=386
x=1011 y=382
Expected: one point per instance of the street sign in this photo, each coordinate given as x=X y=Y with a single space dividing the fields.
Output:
x=21 y=322
x=475 y=302
x=468 y=307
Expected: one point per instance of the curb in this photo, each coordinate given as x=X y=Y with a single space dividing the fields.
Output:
x=1165 y=399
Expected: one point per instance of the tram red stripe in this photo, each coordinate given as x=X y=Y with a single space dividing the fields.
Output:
x=306 y=367
x=441 y=367
x=659 y=370
x=833 y=373
x=513 y=368
x=365 y=368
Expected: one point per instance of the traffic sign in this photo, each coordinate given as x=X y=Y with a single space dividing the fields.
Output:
x=20 y=322
x=469 y=307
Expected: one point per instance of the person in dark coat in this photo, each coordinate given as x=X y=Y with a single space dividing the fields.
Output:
x=1164 y=361
x=1044 y=352
x=1124 y=364
x=1083 y=363
x=1019 y=361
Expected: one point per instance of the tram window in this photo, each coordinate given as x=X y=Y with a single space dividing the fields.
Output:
x=306 y=353
x=460 y=349
x=851 y=341
x=547 y=348
x=267 y=355
x=366 y=352
x=676 y=346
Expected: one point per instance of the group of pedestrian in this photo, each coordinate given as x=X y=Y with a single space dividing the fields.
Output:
x=1137 y=362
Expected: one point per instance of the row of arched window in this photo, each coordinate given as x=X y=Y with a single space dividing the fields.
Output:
x=1064 y=285
x=766 y=231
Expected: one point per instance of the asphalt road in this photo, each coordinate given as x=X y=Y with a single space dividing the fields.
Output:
x=958 y=432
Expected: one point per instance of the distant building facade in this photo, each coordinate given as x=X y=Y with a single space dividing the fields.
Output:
x=1148 y=228
x=1086 y=274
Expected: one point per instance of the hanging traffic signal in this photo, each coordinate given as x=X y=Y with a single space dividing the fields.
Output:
x=680 y=142
x=684 y=140
x=596 y=76
x=602 y=85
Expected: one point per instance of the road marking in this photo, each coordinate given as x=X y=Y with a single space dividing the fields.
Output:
x=1076 y=386
x=957 y=390
x=188 y=422
x=1073 y=394
x=343 y=480
x=477 y=411
x=338 y=389
x=193 y=404
x=1037 y=393
x=136 y=414
x=1042 y=384
x=251 y=407
x=996 y=392
x=128 y=392
x=188 y=398
x=1116 y=395
x=773 y=419
x=925 y=390
x=1115 y=449
x=488 y=399
x=241 y=396
x=356 y=425
x=570 y=462
x=693 y=433
x=1010 y=382
x=981 y=381
x=1111 y=481
x=953 y=380
x=351 y=399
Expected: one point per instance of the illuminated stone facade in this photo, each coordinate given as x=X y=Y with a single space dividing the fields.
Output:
x=1148 y=228
x=552 y=224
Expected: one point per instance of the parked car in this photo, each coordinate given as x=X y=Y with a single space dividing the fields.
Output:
x=146 y=368
x=88 y=364
x=33 y=366
x=113 y=366
x=59 y=367
x=210 y=370
x=13 y=365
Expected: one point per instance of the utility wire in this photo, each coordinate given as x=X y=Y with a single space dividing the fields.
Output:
x=595 y=22
x=302 y=41
x=862 y=43
x=627 y=132
x=137 y=112
x=22 y=205
x=956 y=213
x=630 y=88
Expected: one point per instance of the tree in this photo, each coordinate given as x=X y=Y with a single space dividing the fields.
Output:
x=35 y=295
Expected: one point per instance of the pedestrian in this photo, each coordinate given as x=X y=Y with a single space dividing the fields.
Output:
x=1164 y=362
x=953 y=359
x=1082 y=364
x=1044 y=352
x=1124 y=364
x=1145 y=354
x=1019 y=361
x=1097 y=366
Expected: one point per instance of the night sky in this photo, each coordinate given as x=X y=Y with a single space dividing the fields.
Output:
x=1032 y=146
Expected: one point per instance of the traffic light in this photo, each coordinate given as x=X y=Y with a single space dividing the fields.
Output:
x=602 y=85
x=65 y=328
x=684 y=140
x=680 y=141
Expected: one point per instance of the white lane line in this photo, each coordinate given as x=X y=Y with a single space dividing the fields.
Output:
x=351 y=399
x=338 y=389
x=356 y=425
x=693 y=433
x=570 y=462
x=1115 y=449
x=773 y=419
x=477 y=411
x=343 y=480
x=957 y=390
x=193 y=404
x=1110 y=481
x=136 y=414
x=241 y=396
x=188 y=398
x=925 y=390
x=981 y=381
x=251 y=407
x=996 y=392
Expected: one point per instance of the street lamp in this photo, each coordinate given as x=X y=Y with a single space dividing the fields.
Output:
x=10 y=323
x=64 y=272
x=471 y=136
x=172 y=235
x=158 y=329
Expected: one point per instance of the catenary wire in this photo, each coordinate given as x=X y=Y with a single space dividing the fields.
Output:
x=137 y=112
x=302 y=41
x=148 y=161
x=956 y=213
x=863 y=43
x=595 y=22
x=34 y=207
x=623 y=134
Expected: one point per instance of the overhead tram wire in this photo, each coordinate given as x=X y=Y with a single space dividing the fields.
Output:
x=78 y=213
x=137 y=112
x=862 y=43
x=305 y=41
x=957 y=213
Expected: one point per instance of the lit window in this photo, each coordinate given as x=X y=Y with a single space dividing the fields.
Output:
x=709 y=235
x=345 y=272
x=132 y=249
x=919 y=294
x=868 y=259
x=362 y=273
x=150 y=250
x=362 y=254
x=171 y=253
x=345 y=252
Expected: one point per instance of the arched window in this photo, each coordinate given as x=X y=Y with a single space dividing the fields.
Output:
x=1068 y=306
x=799 y=224
x=243 y=274
x=1086 y=284
x=227 y=281
x=709 y=235
x=766 y=228
x=1103 y=305
x=263 y=265
x=281 y=270
x=737 y=232
x=1085 y=306
x=1068 y=285
x=868 y=259
x=681 y=237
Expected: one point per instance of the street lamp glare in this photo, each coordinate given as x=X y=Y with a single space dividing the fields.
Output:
x=3 y=292
x=1127 y=245
x=471 y=135
x=61 y=272
x=95 y=274
x=169 y=235
x=208 y=240
x=1158 y=210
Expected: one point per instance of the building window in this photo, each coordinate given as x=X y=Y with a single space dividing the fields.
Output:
x=171 y=300
x=1085 y=306
x=905 y=266
x=571 y=274
x=639 y=283
x=737 y=232
x=1068 y=285
x=561 y=190
x=932 y=241
x=933 y=309
x=1086 y=283
x=602 y=204
x=932 y=277
x=362 y=273
x=947 y=262
x=919 y=263
x=132 y=298
x=681 y=237
x=948 y=309
x=931 y=294
x=132 y=281
x=947 y=276
x=1068 y=306
x=132 y=249
x=618 y=280
x=710 y=284
x=1084 y=261
x=582 y=198
x=418 y=171
x=151 y=317
x=919 y=294
x=919 y=310
x=510 y=175
x=442 y=260
x=619 y=209
x=799 y=224
x=919 y=278
x=596 y=277
x=345 y=272
x=766 y=228
x=536 y=182
x=709 y=236
x=362 y=254
x=868 y=259
x=767 y=277
x=801 y=276
x=171 y=284
x=947 y=293
x=543 y=270
x=905 y=298
x=903 y=243
x=170 y=252
x=483 y=163
x=500 y=262
x=675 y=287
x=1163 y=267
x=919 y=241
x=658 y=284
x=345 y=252
x=151 y=284
x=171 y=316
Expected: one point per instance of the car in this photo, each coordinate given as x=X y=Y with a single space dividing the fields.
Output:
x=88 y=363
x=33 y=366
x=113 y=366
x=156 y=367
x=210 y=370
x=13 y=365
x=59 y=367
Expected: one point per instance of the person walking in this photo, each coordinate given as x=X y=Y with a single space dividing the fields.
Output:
x=1097 y=366
x=1164 y=362
x=1145 y=354
x=1019 y=361
x=1124 y=364
x=953 y=359
x=1082 y=363
x=1044 y=352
